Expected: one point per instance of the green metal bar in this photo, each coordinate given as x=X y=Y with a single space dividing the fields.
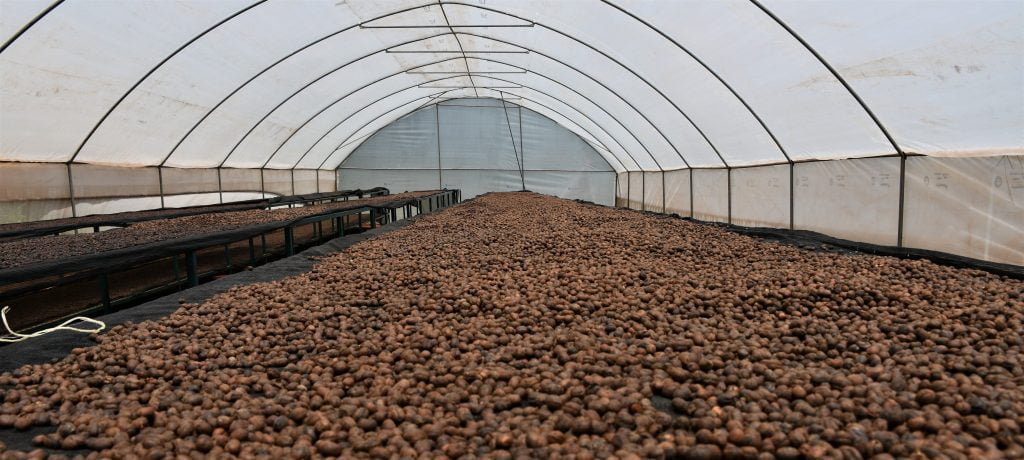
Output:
x=192 y=268
x=289 y=241
x=105 y=292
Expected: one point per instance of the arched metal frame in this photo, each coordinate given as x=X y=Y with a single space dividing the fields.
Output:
x=554 y=59
x=597 y=139
x=501 y=62
x=153 y=70
x=350 y=141
x=531 y=22
x=346 y=142
x=863 y=106
x=543 y=76
x=611 y=136
x=311 y=83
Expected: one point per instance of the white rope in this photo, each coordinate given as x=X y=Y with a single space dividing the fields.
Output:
x=16 y=337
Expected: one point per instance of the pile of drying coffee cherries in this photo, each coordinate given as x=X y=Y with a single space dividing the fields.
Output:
x=518 y=325
x=43 y=248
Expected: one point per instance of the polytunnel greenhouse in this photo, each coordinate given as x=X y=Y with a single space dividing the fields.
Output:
x=465 y=229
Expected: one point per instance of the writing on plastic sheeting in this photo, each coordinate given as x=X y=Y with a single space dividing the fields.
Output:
x=839 y=180
x=804 y=182
x=937 y=180
x=1015 y=180
x=753 y=182
x=881 y=180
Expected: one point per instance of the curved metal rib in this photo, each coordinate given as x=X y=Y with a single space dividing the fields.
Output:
x=154 y=69
x=610 y=135
x=511 y=65
x=591 y=134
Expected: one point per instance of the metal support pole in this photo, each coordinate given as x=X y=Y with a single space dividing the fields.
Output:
x=263 y=184
x=227 y=256
x=437 y=119
x=263 y=245
x=160 y=181
x=192 y=268
x=792 y=193
x=899 y=225
x=373 y=217
x=289 y=241
x=95 y=228
x=177 y=268
x=71 y=191
x=105 y=292
x=252 y=252
x=691 y=193
x=220 y=186
x=728 y=192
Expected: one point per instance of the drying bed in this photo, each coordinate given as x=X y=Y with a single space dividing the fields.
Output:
x=43 y=248
x=122 y=219
x=522 y=325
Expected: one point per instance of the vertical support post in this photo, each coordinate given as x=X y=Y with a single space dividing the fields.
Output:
x=192 y=268
x=903 y=179
x=339 y=229
x=691 y=193
x=728 y=192
x=664 y=206
x=263 y=245
x=95 y=228
x=522 y=146
x=263 y=184
x=373 y=217
x=227 y=256
x=160 y=182
x=359 y=223
x=615 y=202
x=220 y=186
x=71 y=191
x=105 y=292
x=437 y=119
x=177 y=268
x=792 y=193
x=293 y=181
x=252 y=252
x=643 y=191
x=289 y=241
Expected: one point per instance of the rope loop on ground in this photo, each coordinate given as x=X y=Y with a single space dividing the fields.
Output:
x=10 y=336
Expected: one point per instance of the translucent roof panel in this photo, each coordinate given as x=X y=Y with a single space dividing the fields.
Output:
x=654 y=85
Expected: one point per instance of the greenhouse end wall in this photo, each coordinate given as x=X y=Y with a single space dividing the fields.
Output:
x=971 y=207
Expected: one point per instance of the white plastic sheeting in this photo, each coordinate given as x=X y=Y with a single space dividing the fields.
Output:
x=760 y=196
x=968 y=206
x=711 y=195
x=677 y=83
x=479 y=145
x=677 y=192
x=40 y=191
x=855 y=200
x=258 y=88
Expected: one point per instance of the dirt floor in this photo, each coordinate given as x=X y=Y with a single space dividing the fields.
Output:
x=518 y=325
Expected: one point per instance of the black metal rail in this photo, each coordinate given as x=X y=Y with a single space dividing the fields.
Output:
x=113 y=280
